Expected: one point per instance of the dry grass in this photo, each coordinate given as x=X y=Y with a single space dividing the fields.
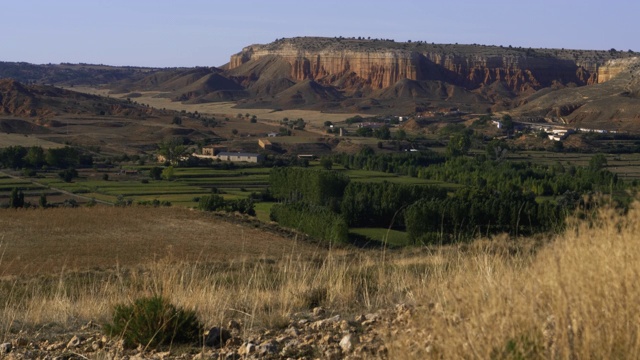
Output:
x=7 y=140
x=48 y=241
x=316 y=118
x=576 y=297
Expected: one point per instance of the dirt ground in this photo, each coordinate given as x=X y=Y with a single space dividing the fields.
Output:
x=315 y=118
x=48 y=241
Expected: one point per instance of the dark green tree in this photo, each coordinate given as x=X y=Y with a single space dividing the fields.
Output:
x=42 y=202
x=459 y=144
x=383 y=133
x=35 y=157
x=597 y=162
x=155 y=173
x=68 y=175
x=16 y=199
x=326 y=163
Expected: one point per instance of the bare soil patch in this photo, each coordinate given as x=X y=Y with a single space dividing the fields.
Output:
x=47 y=241
x=314 y=117
x=7 y=140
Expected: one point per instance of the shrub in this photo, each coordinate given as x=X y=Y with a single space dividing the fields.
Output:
x=153 y=321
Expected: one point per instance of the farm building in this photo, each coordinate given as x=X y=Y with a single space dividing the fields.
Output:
x=212 y=150
x=239 y=157
x=265 y=144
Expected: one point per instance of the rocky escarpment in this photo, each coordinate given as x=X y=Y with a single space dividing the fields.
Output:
x=611 y=104
x=380 y=64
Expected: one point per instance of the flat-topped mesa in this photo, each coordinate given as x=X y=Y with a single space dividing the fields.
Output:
x=379 y=64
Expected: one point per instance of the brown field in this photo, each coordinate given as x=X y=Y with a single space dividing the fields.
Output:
x=48 y=241
x=315 y=118
x=7 y=140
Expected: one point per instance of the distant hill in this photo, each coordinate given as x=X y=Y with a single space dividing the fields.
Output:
x=610 y=105
x=48 y=101
x=69 y=74
x=387 y=77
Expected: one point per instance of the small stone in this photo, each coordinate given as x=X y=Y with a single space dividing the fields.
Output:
x=348 y=342
x=74 y=342
x=55 y=346
x=232 y=356
x=5 y=348
x=282 y=338
x=333 y=354
x=333 y=319
x=291 y=331
x=268 y=347
x=247 y=348
x=217 y=337
x=372 y=317
x=327 y=339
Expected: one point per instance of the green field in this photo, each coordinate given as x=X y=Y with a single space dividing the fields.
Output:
x=627 y=166
x=384 y=236
x=263 y=210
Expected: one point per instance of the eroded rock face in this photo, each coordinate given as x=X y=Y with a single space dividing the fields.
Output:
x=379 y=65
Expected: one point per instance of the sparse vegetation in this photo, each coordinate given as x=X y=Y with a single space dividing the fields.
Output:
x=153 y=321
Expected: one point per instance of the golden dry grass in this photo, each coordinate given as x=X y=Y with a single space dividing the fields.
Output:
x=575 y=297
x=316 y=118
x=7 y=140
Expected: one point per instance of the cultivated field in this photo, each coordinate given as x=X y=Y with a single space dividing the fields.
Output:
x=627 y=166
x=59 y=240
x=7 y=140
x=316 y=118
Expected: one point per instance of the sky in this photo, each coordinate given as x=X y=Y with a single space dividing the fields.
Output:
x=163 y=33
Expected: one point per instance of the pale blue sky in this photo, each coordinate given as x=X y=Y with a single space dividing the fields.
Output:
x=205 y=33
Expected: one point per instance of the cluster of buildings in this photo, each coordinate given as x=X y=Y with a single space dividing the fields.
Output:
x=219 y=152
x=554 y=133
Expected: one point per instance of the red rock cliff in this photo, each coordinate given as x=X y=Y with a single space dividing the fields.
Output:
x=380 y=64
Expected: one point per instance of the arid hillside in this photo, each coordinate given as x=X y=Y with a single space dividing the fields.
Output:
x=278 y=296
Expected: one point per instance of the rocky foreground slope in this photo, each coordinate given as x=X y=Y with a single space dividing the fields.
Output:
x=317 y=334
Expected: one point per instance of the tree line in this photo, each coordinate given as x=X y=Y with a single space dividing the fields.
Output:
x=496 y=196
x=35 y=157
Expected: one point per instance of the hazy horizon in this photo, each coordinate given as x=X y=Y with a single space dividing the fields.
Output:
x=206 y=33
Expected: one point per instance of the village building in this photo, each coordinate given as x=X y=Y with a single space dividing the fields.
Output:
x=213 y=150
x=239 y=157
x=265 y=144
